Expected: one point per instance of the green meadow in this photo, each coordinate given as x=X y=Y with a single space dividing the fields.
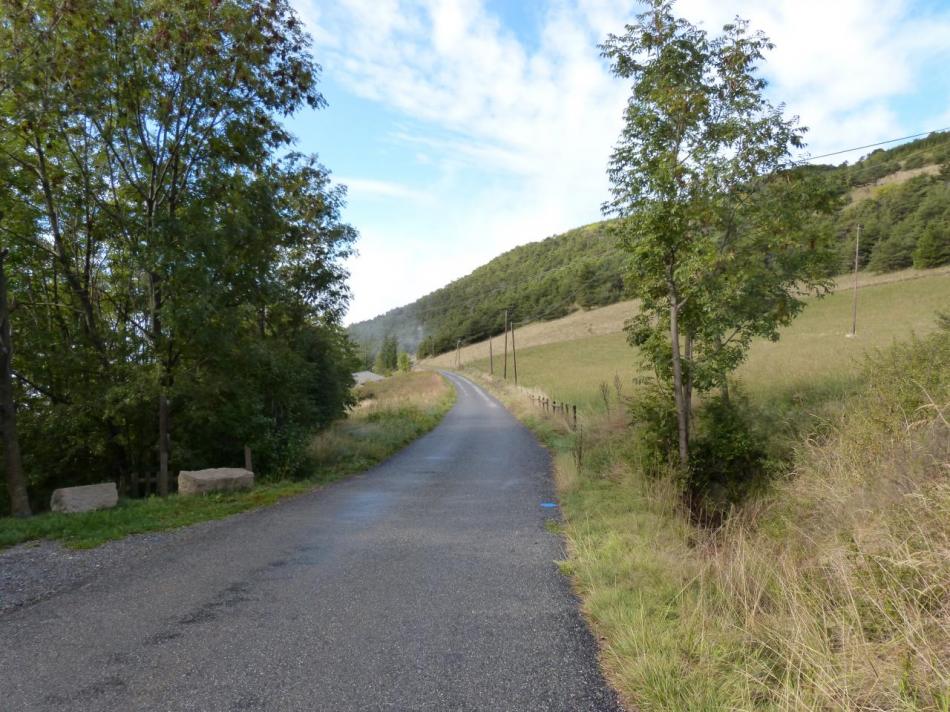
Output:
x=814 y=357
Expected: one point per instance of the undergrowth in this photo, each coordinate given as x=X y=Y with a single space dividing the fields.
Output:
x=389 y=415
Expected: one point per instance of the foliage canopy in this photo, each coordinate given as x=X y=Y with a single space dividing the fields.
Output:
x=713 y=215
x=163 y=239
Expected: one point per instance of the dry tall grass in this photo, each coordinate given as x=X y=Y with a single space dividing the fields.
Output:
x=832 y=593
x=842 y=583
x=389 y=414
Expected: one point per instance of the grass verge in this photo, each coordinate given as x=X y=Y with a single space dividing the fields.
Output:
x=390 y=414
x=831 y=592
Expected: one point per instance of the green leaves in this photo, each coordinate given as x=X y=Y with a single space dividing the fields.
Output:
x=164 y=239
x=716 y=219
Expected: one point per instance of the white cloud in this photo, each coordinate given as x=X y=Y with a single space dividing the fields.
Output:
x=544 y=118
x=358 y=188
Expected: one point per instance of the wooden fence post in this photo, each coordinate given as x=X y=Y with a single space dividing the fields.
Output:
x=505 y=370
x=514 y=352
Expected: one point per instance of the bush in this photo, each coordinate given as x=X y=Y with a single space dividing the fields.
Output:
x=728 y=455
x=653 y=419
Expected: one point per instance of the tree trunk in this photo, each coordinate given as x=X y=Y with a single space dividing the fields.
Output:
x=682 y=417
x=16 y=482
x=688 y=384
x=163 y=445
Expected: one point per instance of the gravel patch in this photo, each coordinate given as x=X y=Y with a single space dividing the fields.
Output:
x=36 y=570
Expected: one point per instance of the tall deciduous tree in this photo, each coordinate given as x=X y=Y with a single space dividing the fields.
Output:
x=167 y=247
x=714 y=214
x=13 y=464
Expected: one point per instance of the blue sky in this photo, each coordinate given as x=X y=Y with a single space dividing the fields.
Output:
x=463 y=128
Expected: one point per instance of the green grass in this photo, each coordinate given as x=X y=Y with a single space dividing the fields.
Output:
x=391 y=414
x=813 y=361
x=827 y=592
x=137 y=516
x=630 y=559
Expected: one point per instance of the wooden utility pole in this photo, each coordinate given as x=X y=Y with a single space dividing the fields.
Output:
x=514 y=352
x=506 y=346
x=491 y=358
x=163 y=445
x=16 y=482
x=458 y=353
x=854 y=301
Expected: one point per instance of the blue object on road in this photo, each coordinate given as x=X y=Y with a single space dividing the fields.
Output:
x=548 y=505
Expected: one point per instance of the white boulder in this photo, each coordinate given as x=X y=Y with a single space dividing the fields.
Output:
x=216 y=479
x=85 y=498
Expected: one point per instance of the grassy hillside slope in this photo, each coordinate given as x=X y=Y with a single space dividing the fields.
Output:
x=899 y=196
x=569 y=358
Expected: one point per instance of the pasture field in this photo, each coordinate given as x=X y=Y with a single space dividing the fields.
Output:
x=812 y=361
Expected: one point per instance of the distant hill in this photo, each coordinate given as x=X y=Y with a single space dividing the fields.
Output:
x=540 y=280
x=900 y=197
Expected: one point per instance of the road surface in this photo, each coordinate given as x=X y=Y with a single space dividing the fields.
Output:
x=427 y=583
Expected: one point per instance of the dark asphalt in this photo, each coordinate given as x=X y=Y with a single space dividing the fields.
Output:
x=427 y=583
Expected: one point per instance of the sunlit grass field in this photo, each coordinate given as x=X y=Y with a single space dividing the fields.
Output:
x=813 y=359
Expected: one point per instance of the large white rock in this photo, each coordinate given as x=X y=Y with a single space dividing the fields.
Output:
x=85 y=498
x=217 y=479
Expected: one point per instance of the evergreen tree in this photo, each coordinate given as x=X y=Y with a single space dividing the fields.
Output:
x=933 y=248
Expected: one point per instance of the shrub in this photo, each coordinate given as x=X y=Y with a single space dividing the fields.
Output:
x=728 y=455
x=653 y=419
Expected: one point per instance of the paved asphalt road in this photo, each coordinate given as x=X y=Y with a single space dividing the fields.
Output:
x=427 y=583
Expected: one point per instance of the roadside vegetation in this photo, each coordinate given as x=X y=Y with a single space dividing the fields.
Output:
x=827 y=590
x=387 y=416
x=175 y=271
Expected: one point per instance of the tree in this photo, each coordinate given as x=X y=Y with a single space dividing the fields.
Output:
x=713 y=215
x=933 y=248
x=16 y=482
x=405 y=364
x=387 y=360
x=166 y=246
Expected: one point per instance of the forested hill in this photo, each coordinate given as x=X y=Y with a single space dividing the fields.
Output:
x=540 y=280
x=900 y=196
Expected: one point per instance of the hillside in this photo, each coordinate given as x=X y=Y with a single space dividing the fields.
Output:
x=569 y=358
x=540 y=280
x=900 y=196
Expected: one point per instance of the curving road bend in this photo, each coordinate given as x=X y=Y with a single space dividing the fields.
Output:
x=427 y=583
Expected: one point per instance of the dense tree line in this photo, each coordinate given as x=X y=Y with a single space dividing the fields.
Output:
x=904 y=224
x=165 y=246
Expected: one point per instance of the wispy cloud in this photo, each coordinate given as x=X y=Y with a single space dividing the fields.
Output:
x=370 y=188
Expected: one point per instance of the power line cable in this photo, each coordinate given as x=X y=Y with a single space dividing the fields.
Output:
x=879 y=143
